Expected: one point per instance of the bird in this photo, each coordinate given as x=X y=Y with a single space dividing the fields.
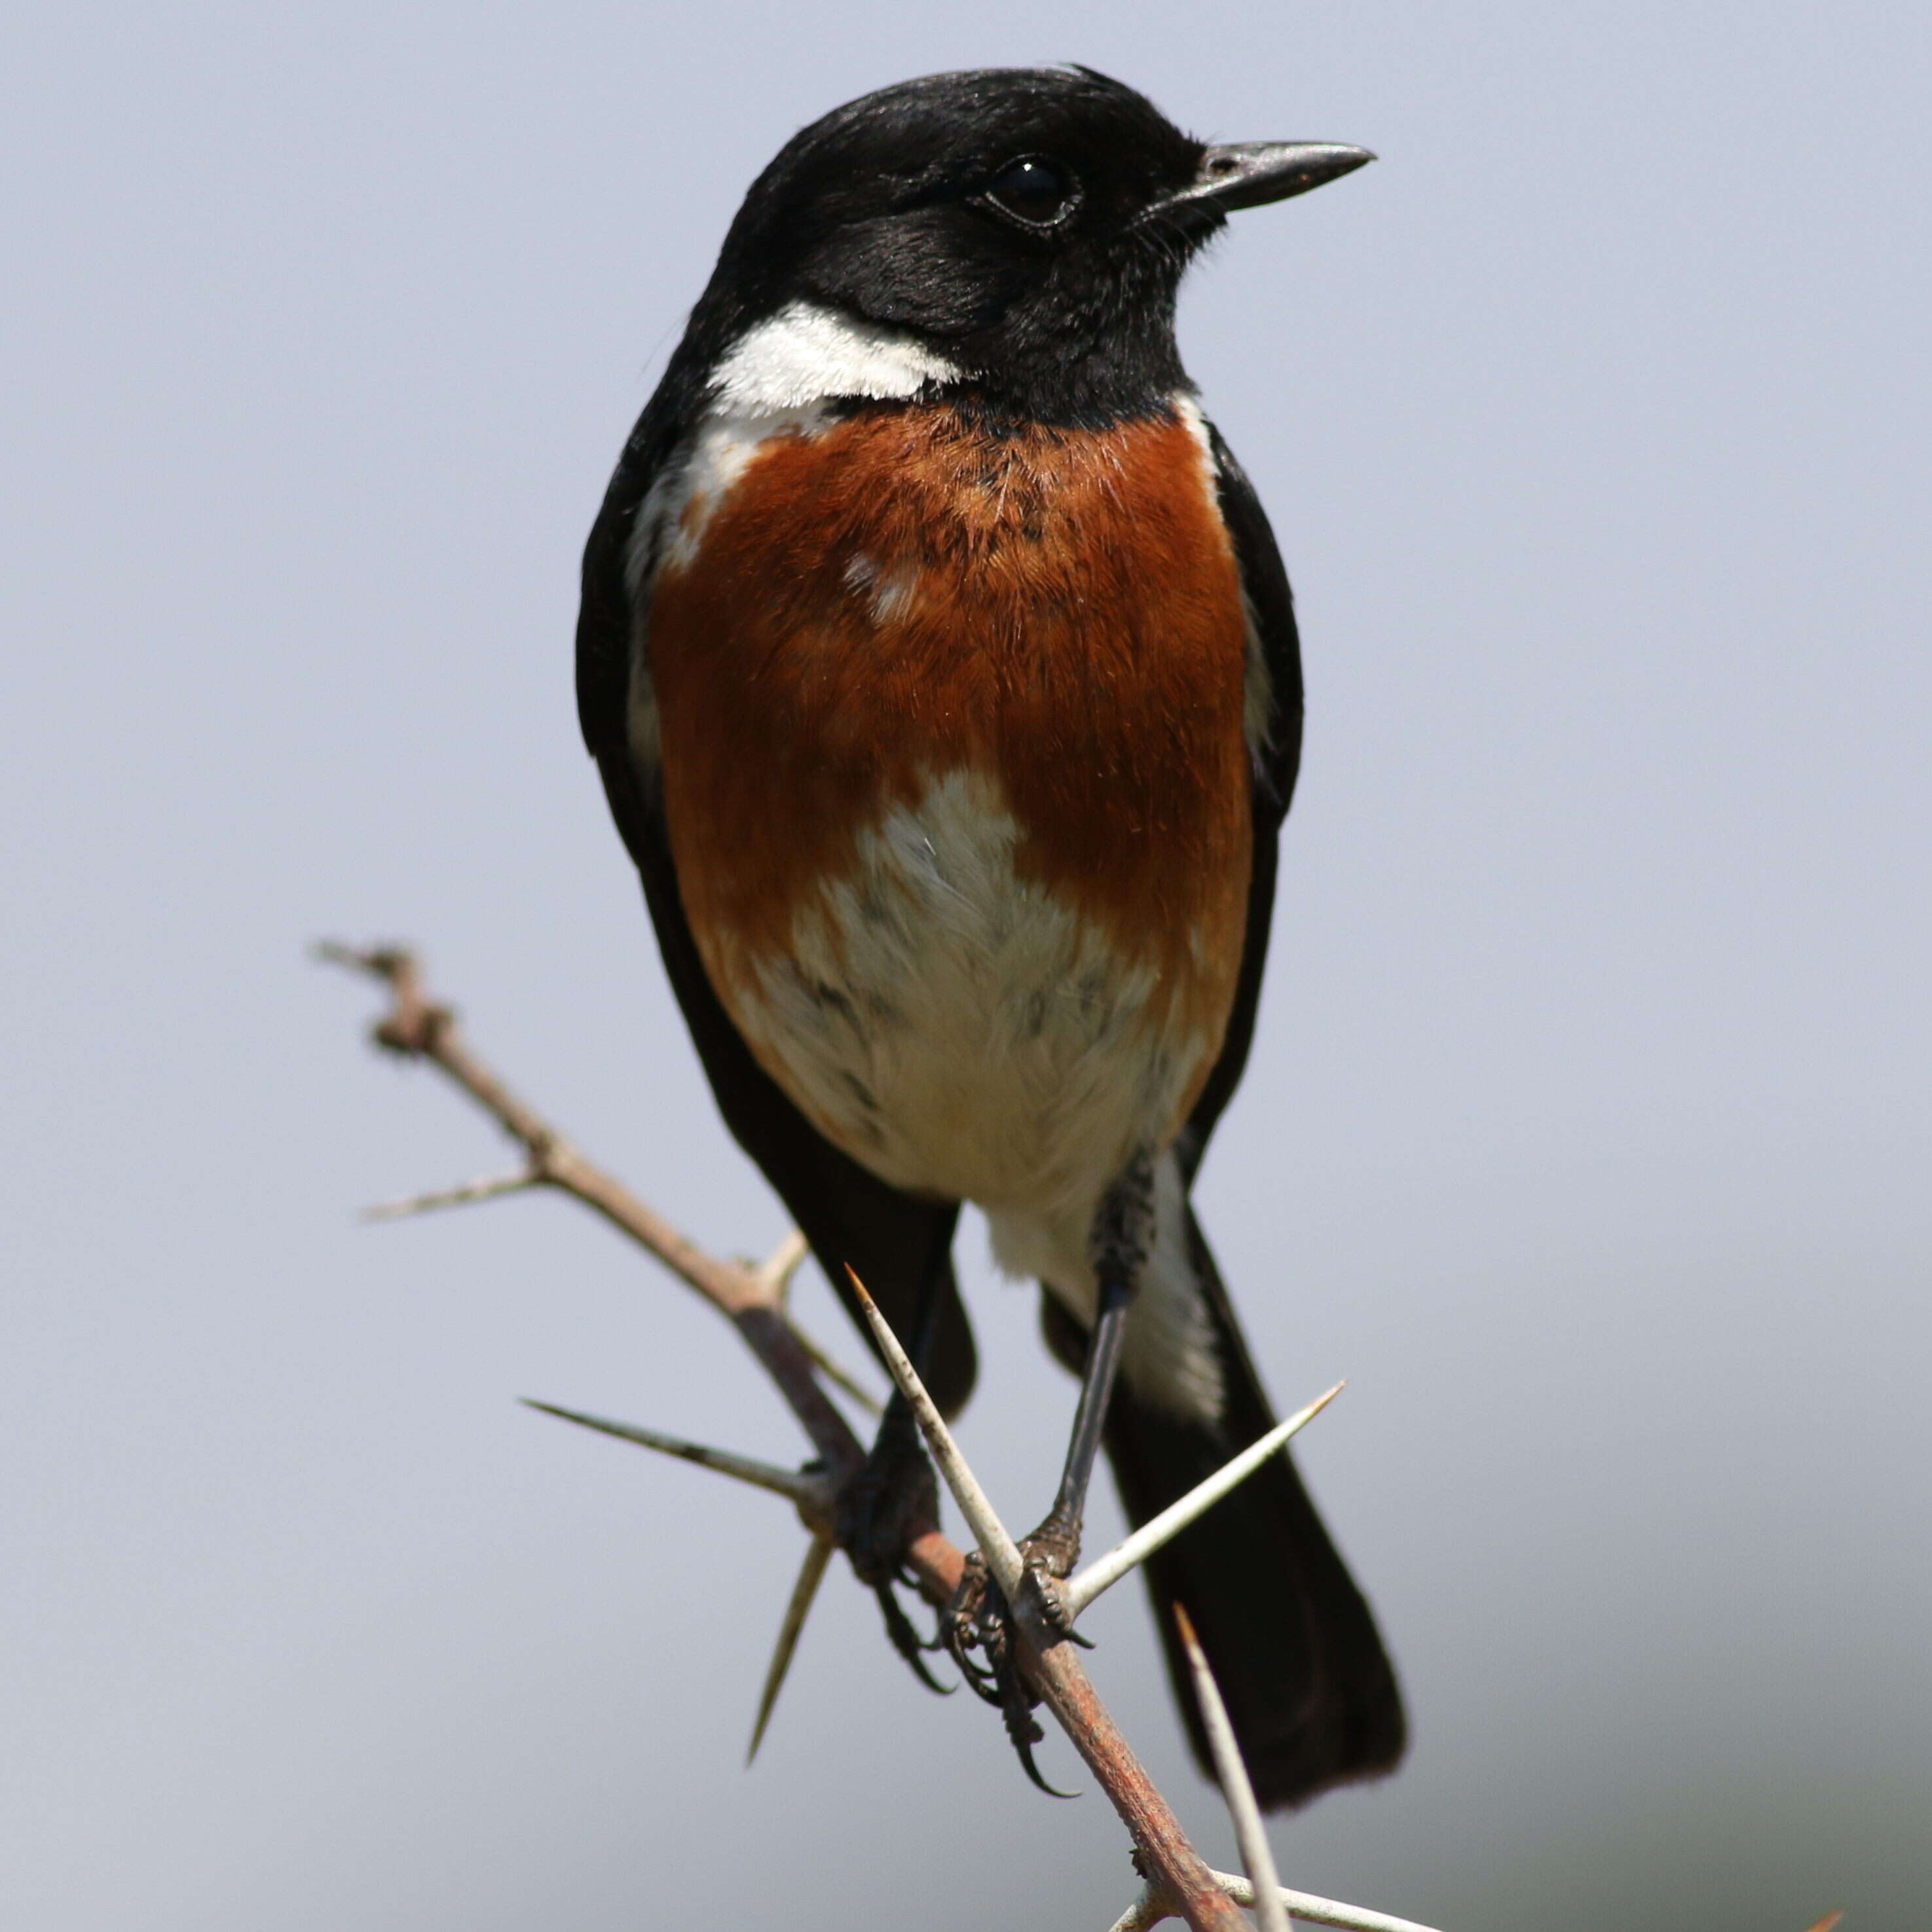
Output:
x=942 y=673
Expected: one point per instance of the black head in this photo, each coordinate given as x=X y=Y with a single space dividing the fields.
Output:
x=1029 y=226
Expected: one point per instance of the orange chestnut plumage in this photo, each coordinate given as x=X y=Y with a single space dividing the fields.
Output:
x=903 y=596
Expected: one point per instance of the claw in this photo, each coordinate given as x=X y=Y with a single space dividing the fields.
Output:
x=981 y=1678
x=906 y=1641
x=964 y=1628
x=1023 y=1732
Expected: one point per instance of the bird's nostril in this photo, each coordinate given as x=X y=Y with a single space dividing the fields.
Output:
x=1221 y=164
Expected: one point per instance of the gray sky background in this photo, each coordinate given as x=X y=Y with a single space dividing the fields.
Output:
x=1587 y=1131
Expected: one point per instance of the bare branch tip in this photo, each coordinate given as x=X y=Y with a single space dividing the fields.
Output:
x=390 y=962
x=461 y=1196
x=775 y=1272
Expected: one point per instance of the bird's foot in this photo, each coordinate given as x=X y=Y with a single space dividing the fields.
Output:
x=978 y=1629
x=1050 y=1553
x=892 y=1498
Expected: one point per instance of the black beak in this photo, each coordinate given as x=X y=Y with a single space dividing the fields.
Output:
x=1245 y=174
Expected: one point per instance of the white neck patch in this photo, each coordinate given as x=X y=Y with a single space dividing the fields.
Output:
x=805 y=354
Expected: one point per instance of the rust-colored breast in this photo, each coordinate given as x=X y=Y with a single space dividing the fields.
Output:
x=906 y=593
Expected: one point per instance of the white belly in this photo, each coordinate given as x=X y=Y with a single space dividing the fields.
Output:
x=961 y=1032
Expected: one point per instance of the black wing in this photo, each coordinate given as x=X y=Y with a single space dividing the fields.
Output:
x=897 y=1244
x=1275 y=681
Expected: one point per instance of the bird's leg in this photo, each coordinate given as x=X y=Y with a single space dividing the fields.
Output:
x=892 y=1495
x=1122 y=1233
x=978 y=1616
x=1054 y=1546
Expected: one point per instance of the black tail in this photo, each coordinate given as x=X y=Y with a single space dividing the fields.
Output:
x=1293 y=1644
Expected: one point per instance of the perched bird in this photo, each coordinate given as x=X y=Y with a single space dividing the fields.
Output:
x=942 y=673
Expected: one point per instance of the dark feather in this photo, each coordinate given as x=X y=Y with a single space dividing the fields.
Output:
x=1271 y=616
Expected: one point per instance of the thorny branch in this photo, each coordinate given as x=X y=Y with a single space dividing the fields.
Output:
x=1178 y=1883
x=752 y=1297
x=418 y=1026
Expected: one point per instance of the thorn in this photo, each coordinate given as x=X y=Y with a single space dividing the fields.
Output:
x=1321 y=1911
x=818 y=1554
x=1146 y=1911
x=775 y=1272
x=1002 y=1554
x=394 y=964
x=454 y=1197
x=1104 y=1572
x=1249 y=1834
x=793 y=1484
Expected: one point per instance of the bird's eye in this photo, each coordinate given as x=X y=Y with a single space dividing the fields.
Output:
x=1037 y=194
